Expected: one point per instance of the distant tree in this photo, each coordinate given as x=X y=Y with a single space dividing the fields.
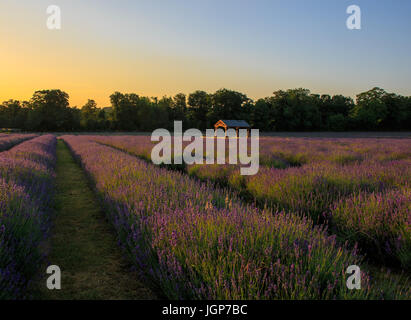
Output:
x=13 y=114
x=262 y=116
x=3 y=117
x=290 y=110
x=336 y=122
x=34 y=120
x=49 y=111
x=148 y=114
x=164 y=109
x=75 y=119
x=132 y=112
x=341 y=105
x=161 y=114
x=102 y=118
x=125 y=112
x=407 y=123
x=228 y=104
x=370 y=111
x=179 y=107
x=91 y=118
x=397 y=112
x=334 y=112
x=295 y=110
x=199 y=104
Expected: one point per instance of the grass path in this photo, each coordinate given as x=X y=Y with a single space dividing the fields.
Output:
x=83 y=244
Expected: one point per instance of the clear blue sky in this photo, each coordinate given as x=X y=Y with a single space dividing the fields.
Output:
x=157 y=47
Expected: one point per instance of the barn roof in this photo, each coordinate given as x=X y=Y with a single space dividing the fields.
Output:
x=236 y=123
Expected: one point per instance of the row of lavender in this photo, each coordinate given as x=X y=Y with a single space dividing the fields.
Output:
x=294 y=152
x=26 y=185
x=195 y=241
x=286 y=152
x=9 y=140
x=361 y=188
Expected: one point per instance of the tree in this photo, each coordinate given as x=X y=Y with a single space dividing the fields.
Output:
x=336 y=122
x=49 y=111
x=295 y=110
x=125 y=113
x=371 y=110
x=75 y=119
x=13 y=114
x=290 y=110
x=407 y=122
x=90 y=116
x=228 y=104
x=160 y=113
x=179 y=107
x=334 y=112
x=199 y=103
x=397 y=112
x=262 y=116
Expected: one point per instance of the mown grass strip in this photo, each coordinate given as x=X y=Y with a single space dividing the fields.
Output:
x=83 y=244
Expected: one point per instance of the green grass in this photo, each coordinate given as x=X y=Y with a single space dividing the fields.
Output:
x=83 y=244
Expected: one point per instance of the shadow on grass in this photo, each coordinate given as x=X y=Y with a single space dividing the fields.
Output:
x=83 y=244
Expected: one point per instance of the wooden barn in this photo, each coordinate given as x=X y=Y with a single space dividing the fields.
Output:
x=232 y=124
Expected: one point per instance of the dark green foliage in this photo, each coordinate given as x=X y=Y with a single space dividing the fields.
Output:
x=290 y=110
x=199 y=104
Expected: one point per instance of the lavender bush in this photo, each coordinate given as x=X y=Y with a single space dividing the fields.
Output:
x=196 y=241
x=311 y=176
x=381 y=222
x=9 y=140
x=26 y=185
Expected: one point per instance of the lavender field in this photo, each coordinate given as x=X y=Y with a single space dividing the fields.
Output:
x=359 y=188
x=357 y=191
x=9 y=140
x=26 y=189
x=315 y=207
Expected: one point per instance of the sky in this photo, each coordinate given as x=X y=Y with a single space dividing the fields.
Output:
x=163 y=47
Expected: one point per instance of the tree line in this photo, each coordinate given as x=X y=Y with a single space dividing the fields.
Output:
x=290 y=110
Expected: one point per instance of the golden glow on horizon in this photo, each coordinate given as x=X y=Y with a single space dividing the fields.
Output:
x=86 y=67
x=90 y=65
x=156 y=49
x=95 y=71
